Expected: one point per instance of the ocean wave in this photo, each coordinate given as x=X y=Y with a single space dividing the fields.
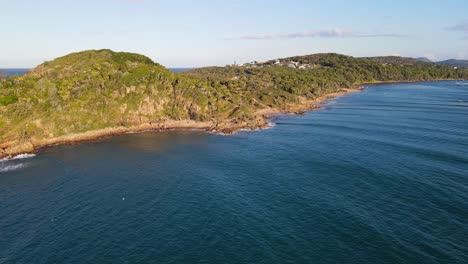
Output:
x=268 y=126
x=20 y=156
x=14 y=163
x=219 y=133
x=11 y=167
x=24 y=156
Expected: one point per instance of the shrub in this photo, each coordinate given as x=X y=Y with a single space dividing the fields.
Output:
x=9 y=99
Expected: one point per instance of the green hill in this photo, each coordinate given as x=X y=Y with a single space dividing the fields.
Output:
x=101 y=89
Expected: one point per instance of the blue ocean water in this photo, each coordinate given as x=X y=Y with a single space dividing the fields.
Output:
x=180 y=69
x=379 y=176
x=13 y=71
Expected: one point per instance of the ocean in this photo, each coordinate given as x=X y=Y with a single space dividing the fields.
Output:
x=379 y=176
x=13 y=71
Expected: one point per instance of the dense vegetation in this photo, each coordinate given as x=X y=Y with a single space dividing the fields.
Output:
x=97 y=89
x=101 y=88
x=326 y=73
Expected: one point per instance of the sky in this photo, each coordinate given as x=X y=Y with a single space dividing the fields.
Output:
x=183 y=33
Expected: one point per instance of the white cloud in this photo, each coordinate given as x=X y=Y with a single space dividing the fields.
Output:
x=430 y=56
x=459 y=27
x=461 y=55
x=330 y=33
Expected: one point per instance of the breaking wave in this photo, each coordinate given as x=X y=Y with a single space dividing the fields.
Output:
x=14 y=163
x=20 y=156
x=11 y=167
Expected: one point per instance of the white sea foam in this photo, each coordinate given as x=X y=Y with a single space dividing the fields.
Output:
x=270 y=125
x=14 y=163
x=11 y=167
x=20 y=156
x=462 y=83
x=24 y=156
x=218 y=133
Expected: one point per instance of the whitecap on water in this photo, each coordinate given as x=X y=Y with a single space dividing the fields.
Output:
x=24 y=156
x=11 y=167
x=14 y=163
x=20 y=156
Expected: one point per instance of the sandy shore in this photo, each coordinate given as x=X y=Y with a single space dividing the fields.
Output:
x=12 y=148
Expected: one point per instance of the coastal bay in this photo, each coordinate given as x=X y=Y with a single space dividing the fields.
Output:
x=375 y=176
x=96 y=93
x=212 y=132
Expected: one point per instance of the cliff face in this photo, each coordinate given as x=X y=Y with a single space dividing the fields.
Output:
x=113 y=92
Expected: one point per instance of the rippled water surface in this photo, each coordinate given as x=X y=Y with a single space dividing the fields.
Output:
x=13 y=71
x=379 y=176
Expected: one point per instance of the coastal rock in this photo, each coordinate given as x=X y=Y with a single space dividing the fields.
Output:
x=17 y=148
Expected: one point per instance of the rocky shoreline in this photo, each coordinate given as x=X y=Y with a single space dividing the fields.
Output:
x=31 y=145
